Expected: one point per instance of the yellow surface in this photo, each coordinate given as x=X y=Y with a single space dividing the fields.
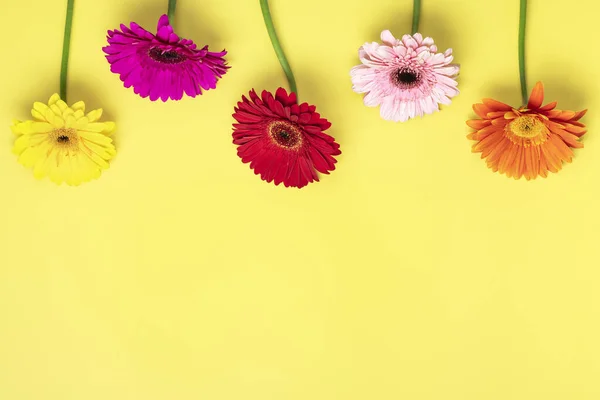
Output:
x=412 y=272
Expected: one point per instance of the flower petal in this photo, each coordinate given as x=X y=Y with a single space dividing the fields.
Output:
x=537 y=97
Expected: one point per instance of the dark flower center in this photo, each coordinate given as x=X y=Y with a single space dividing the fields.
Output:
x=65 y=138
x=165 y=56
x=285 y=135
x=406 y=78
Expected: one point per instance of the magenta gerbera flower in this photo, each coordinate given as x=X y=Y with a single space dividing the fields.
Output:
x=406 y=77
x=162 y=66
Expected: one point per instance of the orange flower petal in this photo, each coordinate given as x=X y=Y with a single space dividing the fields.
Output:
x=549 y=106
x=532 y=160
x=523 y=165
x=575 y=129
x=566 y=115
x=496 y=114
x=537 y=97
x=565 y=126
x=564 y=151
x=497 y=152
x=495 y=105
x=543 y=163
x=579 y=115
x=491 y=145
x=536 y=157
x=577 y=123
x=569 y=130
x=515 y=167
x=553 y=114
x=500 y=122
x=552 y=160
x=571 y=140
x=485 y=132
x=481 y=110
x=478 y=123
x=528 y=164
x=487 y=142
x=507 y=158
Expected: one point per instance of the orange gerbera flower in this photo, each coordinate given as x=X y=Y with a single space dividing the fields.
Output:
x=528 y=141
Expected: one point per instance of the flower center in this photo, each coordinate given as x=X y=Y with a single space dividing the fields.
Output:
x=406 y=78
x=165 y=56
x=65 y=138
x=285 y=135
x=527 y=130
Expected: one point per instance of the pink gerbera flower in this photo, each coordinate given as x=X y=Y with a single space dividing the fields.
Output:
x=163 y=65
x=405 y=77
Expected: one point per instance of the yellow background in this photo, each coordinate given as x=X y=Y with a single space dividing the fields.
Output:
x=412 y=272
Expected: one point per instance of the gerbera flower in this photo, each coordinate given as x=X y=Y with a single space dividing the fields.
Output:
x=163 y=65
x=283 y=141
x=63 y=143
x=407 y=77
x=528 y=141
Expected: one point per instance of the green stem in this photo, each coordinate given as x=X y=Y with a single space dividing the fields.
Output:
x=522 y=24
x=65 y=53
x=171 y=11
x=264 y=5
x=416 y=16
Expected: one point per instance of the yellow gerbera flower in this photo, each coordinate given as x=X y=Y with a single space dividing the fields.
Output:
x=63 y=143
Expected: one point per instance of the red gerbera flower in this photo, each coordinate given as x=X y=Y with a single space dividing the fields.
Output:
x=283 y=141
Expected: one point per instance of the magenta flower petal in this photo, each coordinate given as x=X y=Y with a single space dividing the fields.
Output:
x=162 y=66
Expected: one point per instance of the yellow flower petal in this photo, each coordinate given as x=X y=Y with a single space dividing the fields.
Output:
x=54 y=119
x=67 y=112
x=76 y=176
x=15 y=128
x=53 y=99
x=59 y=168
x=98 y=160
x=106 y=152
x=33 y=155
x=70 y=121
x=30 y=127
x=26 y=141
x=80 y=105
x=88 y=168
x=96 y=127
x=82 y=123
x=56 y=110
x=42 y=166
x=62 y=105
x=78 y=114
x=109 y=128
x=37 y=115
x=29 y=156
x=41 y=108
x=94 y=115
x=97 y=138
x=74 y=173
